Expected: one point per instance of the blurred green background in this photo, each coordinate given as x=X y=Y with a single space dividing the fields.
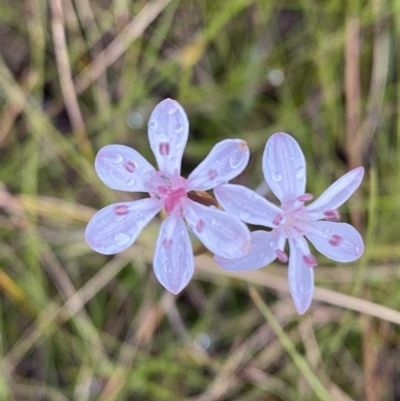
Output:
x=76 y=75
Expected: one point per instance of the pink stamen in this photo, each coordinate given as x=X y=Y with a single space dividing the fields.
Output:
x=336 y=240
x=282 y=256
x=200 y=226
x=278 y=218
x=130 y=167
x=310 y=260
x=212 y=174
x=331 y=215
x=167 y=242
x=121 y=210
x=305 y=197
x=172 y=198
x=164 y=148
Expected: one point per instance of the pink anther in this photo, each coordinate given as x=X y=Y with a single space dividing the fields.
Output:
x=331 y=215
x=121 y=210
x=335 y=240
x=164 y=148
x=282 y=256
x=310 y=260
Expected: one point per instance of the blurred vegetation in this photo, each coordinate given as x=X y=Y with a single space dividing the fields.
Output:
x=76 y=75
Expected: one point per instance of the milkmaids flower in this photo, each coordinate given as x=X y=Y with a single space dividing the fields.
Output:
x=284 y=170
x=116 y=227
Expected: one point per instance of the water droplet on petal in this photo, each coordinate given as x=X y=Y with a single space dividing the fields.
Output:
x=167 y=269
x=276 y=176
x=216 y=223
x=272 y=244
x=359 y=250
x=153 y=124
x=244 y=215
x=171 y=108
x=327 y=230
x=304 y=290
x=113 y=157
x=178 y=129
x=300 y=173
x=130 y=182
x=235 y=160
x=140 y=223
x=121 y=239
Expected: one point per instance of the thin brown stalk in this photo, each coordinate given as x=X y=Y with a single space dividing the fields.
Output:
x=131 y=32
x=66 y=81
x=353 y=91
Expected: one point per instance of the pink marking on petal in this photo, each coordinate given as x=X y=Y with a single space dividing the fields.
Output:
x=212 y=174
x=305 y=197
x=167 y=242
x=200 y=226
x=310 y=260
x=331 y=215
x=130 y=167
x=243 y=145
x=335 y=240
x=278 y=218
x=282 y=256
x=121 y=210
x=164 y=148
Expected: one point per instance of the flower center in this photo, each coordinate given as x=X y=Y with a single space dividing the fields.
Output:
x=171 y=197
x=170 y=189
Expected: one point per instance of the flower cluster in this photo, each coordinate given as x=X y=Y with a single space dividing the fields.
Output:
x=223 y=232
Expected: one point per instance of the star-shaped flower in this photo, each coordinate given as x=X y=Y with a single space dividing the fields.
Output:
x=116 y=227
x=284 y=170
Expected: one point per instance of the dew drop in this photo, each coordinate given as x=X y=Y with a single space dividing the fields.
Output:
x=244 y=215
x=217 y=160
x=171 y=109
x=121 y=239
x=181 y=233
x=359 y=250
x=114 y=157
x=178 y=128
x=266 y=260
x=327 y=230
x=272 y=244
x=304 y=290
x=130 y=182
x=276 y=176
x=300 y=173
x=216 y=223
x=140 y=223
x=234 y=161
x=153 y=124
x=167 y=269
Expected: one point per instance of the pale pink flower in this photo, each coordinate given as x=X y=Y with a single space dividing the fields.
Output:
x=284 y=170
x=116 y=227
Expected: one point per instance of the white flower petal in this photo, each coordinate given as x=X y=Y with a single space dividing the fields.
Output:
x=168 y=133
x=260 y=254
x=116 y=227
x=338 y=241
x=123 y=168
x=247 y=205
x=221 y=233
x=173 y=261
x=300 y=276
x=226 y=160
x=338 y=192
x=284 y=167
